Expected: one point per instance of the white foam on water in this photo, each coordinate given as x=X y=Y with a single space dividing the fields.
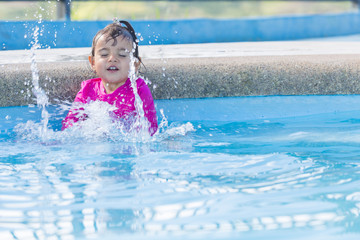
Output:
x=100 y=126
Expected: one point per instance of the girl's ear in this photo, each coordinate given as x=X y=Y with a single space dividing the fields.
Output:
x=137 y=63
x=91 y=60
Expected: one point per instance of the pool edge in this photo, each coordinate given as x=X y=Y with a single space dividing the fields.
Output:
x=198 y=77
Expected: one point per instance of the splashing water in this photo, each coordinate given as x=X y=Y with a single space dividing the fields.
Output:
x=100 y=125
x=141 y=124
x=41 y=97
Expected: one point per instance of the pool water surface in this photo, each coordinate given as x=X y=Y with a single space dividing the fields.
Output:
x=221 y=168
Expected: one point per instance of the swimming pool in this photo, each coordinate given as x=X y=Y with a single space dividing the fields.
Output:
x=222 y=168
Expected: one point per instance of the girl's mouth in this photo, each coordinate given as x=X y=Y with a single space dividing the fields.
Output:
x=112 y=68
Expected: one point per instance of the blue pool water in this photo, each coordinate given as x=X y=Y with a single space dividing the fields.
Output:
x=221 y=168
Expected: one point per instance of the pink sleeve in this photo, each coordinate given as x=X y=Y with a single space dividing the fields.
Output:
x=149 y=106
x=73 y=115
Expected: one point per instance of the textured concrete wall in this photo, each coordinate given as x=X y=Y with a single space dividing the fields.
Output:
x=198 y=77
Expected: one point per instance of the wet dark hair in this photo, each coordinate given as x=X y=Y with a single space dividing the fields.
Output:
x=114 y=30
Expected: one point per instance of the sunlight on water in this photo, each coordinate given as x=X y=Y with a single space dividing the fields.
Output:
x=254 y=179
x=88 y=190
x=261 y=178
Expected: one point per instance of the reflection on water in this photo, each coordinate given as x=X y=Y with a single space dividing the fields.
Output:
x=210 y=180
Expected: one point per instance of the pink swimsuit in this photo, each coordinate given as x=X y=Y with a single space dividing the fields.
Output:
x=122 y=98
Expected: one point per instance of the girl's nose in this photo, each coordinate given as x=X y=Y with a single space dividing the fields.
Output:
x=112 y=58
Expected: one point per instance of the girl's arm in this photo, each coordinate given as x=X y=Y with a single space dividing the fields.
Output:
x=75 y=113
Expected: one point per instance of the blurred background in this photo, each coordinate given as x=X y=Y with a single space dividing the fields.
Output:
x=73 y=23
x=156 y=10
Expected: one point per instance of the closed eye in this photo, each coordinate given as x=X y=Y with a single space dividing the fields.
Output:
x=103 y=52
x=123 y=54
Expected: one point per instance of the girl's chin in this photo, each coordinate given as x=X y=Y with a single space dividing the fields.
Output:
x=112 y=81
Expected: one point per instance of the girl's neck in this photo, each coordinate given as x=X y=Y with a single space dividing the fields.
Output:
x=111 y=87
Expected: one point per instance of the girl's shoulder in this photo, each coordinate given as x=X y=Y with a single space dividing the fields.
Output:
x=143 y=88
x=89 y=88
x=140 y=82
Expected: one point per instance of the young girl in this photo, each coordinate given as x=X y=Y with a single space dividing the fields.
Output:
x=110 y=59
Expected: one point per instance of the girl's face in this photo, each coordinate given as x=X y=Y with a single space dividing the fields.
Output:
x=112 y=61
